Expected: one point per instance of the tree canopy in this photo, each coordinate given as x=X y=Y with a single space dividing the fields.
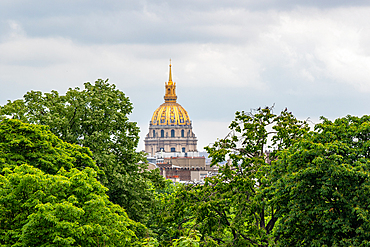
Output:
x=66 y=209
x=96 y=117
x=279 y=184
x=49 y=194
x=322 y=186
x=35 y=145
x=311 y=188
x=227 y=209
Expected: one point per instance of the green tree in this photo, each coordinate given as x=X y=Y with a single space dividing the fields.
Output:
x=49 y=194
x=96 y=117
x=163 y=232
x=322 y=186
x=190 y=241
x=228 y=209
x=66 y=209
x=35 y=145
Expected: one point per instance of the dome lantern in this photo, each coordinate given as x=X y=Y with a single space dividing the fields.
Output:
x=170 y=94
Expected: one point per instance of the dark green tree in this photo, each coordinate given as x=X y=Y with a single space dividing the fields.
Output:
x=322 y=186
x=96 y=117
x=228 y=209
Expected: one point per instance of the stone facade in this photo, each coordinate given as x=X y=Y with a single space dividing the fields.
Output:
x=182 y=139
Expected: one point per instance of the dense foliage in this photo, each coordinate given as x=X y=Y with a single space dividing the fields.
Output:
x=279 y=184
x=49 y=194
x=66 y=209
x=227 y=210
x=35 y=145
x=322 y=186
x=96 y=117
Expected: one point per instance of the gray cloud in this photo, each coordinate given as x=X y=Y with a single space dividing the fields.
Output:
x=309 y=56
x=152 y=22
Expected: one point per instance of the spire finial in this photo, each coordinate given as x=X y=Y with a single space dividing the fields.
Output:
x=170 y=79
x=170 y=94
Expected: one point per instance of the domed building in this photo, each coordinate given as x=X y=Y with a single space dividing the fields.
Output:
x=170 y=129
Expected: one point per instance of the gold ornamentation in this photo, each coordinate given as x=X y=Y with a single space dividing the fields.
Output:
x=170 y=112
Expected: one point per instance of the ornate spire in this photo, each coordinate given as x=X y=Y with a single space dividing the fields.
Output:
x=170 y=95
x=170 y=79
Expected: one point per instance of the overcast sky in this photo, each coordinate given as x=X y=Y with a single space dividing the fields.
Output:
x=228 y=55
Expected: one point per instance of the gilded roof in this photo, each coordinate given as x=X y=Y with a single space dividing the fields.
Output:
x=170 y=114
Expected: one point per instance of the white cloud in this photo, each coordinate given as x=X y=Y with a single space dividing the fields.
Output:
x=308 y=45
x=57 y=60
x=314 y=44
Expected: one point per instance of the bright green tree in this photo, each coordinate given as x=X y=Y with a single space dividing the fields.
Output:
x=49 y=194
x=228 y=210
x=96 y=117
x=35 y=145
x=66 y=209
x=322 y=186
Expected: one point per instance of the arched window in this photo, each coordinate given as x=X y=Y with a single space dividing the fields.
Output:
x=173 y=150
x=182 y=133
x=162 y=133
x=183 y=150
x=172 y=133
x=153 y=133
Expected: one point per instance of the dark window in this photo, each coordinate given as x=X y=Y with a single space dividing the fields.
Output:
x=183 y=150
x=153 y=133
x=162 y=133
x=173 y=150
x=172 y=133
x=182 y=133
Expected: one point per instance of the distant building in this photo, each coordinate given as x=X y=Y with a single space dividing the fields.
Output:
x=170 y=128
x=187 y=169
x=171 y=144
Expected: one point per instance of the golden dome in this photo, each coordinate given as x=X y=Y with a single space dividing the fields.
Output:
x=170 y=112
